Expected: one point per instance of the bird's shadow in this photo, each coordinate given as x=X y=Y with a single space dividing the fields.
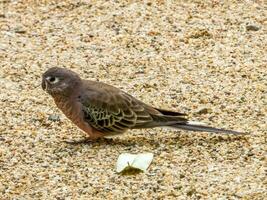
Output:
x=179 y=139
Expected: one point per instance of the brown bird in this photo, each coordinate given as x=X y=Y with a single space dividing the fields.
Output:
x=103 y=110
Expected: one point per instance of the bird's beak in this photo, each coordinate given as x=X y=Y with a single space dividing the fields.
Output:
x=44 y=84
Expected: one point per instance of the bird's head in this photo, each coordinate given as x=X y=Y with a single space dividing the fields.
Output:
x=60 y=81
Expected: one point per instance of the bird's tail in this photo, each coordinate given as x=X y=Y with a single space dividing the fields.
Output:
x=172 y=119
x=197 y=126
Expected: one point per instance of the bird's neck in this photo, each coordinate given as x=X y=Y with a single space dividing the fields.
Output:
x=62 y=101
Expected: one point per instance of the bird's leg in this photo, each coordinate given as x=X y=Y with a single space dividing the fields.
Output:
x=94 y=136
x=82 y=141
x=88 y=140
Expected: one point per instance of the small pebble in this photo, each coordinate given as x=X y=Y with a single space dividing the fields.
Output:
x=204 y=111
x=54 y=118
x=252 y=28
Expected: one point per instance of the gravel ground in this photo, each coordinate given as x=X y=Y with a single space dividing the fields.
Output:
x=205 y=59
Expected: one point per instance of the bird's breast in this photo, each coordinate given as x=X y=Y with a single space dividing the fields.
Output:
x=72 y=109
x=69 y=107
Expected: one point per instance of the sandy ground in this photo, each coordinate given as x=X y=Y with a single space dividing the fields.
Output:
x=205 y=59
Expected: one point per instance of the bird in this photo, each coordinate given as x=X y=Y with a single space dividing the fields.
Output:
x=102 y=110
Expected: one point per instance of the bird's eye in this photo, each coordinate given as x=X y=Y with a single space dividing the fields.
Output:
x=52 y=79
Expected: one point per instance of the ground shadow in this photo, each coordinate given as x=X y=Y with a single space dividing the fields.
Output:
x=179 y=139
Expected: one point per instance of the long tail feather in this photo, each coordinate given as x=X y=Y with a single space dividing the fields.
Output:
x=195 y=126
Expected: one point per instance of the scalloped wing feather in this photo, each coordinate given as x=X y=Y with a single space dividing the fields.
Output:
x=110 y=110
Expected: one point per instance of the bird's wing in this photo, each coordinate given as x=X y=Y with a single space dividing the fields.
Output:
x=111 y=110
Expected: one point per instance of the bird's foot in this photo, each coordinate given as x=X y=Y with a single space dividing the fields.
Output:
x=88 y=141
x=82 y=141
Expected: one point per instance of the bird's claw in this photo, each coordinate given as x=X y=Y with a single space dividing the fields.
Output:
x=83 y=141
x=88 y=141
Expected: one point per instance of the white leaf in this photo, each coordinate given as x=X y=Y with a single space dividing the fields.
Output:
x=140 y=161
